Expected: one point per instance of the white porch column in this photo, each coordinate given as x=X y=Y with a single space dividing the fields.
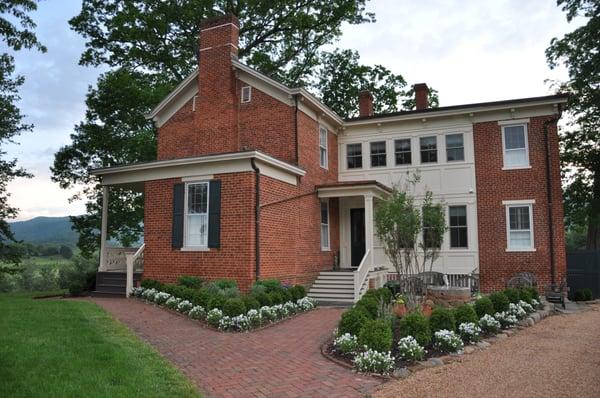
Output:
x=104 y=227
x=369 y=229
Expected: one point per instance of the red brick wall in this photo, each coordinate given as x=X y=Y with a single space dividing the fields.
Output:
x=233 y=260
x=495 y=185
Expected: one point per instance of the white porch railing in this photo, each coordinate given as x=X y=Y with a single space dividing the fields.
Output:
x=115 y=259
x=132 y=260
x=361 y=274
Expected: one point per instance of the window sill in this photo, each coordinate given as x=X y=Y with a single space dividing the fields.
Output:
x=325 y=249
x=195 y=249
x=520 y=250
x=516 y=167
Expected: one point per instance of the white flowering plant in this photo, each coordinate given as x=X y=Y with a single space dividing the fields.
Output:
x=214 y=317
x=137 y=291
x=306 y=304
x=184 y=306
x=528 y=308
x=469 y=332
x=237 y=323
x=517 y=311
x=535 y=303
x=447 y=341
x=172 y=302
x=149 y=294
x=489 y=324
x=346 y=343
x=161 y=298
x=290 y=307
x=372 y=361
x=198 y=312
x=410 y=350
x=506 y=319
x=254 y=318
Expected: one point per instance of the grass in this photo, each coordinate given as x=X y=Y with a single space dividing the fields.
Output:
x=67 y=348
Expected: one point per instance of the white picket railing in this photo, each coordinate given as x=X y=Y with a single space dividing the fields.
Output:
x=116 y=259
x=132 y=260
x=361 y=274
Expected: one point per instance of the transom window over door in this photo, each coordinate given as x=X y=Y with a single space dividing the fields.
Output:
x=196 y=214
x=458 y=227
x=455 y=147
x=354 y=156
x=516 y=150
x=378 y=156
x=519 y=219
x=323 y=147
x=428 y=149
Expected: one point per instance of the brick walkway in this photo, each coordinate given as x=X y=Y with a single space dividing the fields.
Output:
x=280 y=361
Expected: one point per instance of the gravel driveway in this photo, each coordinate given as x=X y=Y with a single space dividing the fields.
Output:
x=560 y=357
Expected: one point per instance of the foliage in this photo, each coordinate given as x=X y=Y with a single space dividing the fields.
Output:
x=151 y=284
x=376 y=334
x=512 y=295
x=263 y=299
x=417 y=325
x=383 y=295
x=79 y=276
x=214 y=316
x=525 y=295
x=506 y=319
x=250 y=302
x=489 y=324
x=371 y=305
x=234 y=307
x=533 y=293
x=276 y=297
x=223 y=287
x=469 y=332
x=483 y=306
x=579 y=51
x=346 y=343
x=465 y=313
x=184 y=306
x=410 y=350
x=500 y=301
x=528 y=308
x=399 y=224
x=353 y=320
x=297 y=292
x=447 y=341
x=192 y=282
x=173 y=303
x=583 y=295
x=442 y=318
x=372 y=361
x=267 y=286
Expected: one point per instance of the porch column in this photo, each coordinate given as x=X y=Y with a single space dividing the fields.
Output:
x=104 y=227
x=369 y=227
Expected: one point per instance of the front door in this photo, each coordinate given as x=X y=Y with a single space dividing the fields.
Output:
x=357 y=236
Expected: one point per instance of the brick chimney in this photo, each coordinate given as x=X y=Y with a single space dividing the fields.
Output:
x=365 y=103
x=216 y=105
x=421 y=96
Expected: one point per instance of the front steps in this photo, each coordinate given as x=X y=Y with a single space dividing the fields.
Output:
x=112 y=284
x=334 y=287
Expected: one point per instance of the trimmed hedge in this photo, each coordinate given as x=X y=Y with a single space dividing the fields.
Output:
x=465 y=313
x=234 y=307
x=370 y=304
x=525 y=295
x=584 y=294
x=297 y=292
x=512 y=295
x=415 y=324
x=500 y=301
x=377 y=335
x=251 y=302
x=383 y=294
x=484 y=306
x=442 y=318
x=353 y=320
x=193 y=282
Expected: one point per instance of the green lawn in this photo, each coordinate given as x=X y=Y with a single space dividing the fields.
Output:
x=65 y=348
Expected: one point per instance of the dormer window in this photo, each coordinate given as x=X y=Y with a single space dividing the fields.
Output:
x=246 y=94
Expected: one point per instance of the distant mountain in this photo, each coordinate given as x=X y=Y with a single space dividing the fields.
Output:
x=45 y=230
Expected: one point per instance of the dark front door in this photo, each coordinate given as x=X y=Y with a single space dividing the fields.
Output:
x=357 y=236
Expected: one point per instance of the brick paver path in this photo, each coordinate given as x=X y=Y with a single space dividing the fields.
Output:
x=280 y=361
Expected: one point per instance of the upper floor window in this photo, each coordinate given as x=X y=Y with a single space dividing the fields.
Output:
x=403 y=153
x=516 y=150
x=428 y=149
x=324 y=225
x=519 y=222
x=458 y=226
x=354 y=156
x=323 y=147
x=246 y=94
x=455 y=147
x=196 y=215
x=378 y=156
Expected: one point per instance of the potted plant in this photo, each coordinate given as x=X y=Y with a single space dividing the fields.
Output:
x=427 y=307
x=399 y=306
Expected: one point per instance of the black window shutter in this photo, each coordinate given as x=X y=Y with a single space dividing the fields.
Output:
x=214 y=214
x=178 y=202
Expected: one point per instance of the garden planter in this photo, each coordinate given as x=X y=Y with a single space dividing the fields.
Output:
x=400 y=310
x=426 y=309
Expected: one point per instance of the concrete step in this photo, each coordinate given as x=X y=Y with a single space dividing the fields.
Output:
x=97 y=293
x=319 y=296
x=318 y=285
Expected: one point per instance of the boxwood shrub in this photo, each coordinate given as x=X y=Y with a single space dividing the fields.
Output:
x=500 y=301
x=442 y=318
x=151 y=284
x=370 y=304
x=512 y=295
x=263 y=298
x=584 y=294
x=484 y=306
x=376 y=334
x=465 y=313
x=216 y=301
x=276 y=298
x=525 y=295
x=297 y=292
x=417 y=325
x=533 y=293
x=353 y=320
x=193 y=282
x=251 y=302
x=234 y=307
x=383 y=294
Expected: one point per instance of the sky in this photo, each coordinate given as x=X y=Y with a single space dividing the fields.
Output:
x=469 y=50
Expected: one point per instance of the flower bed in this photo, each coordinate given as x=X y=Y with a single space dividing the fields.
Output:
x=215 y=317
x=416 y=341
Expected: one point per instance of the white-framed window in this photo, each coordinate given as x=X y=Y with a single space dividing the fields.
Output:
x=354 y=156
x=402 y=151
x=323 y=147
x=196 y=215
x=519 y=225
x=325 y=225
x=515 y=146
x=428 y=149
x=246 y=94
x=455 y=147
x=378 y=155
x=457 y=218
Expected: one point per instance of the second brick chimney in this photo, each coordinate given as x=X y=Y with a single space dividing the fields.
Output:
x=421 y=96
x=365 y=103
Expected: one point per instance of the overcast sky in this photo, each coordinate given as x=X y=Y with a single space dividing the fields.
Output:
x=469 y=50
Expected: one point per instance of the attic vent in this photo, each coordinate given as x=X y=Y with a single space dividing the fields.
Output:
x=246 y=94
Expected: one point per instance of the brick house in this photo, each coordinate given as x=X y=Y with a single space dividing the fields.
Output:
x=254 y=179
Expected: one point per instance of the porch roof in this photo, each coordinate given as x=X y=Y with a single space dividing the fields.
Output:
x=353 y=188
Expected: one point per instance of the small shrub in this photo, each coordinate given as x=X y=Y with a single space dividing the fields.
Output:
x=251 y=302
x=297 y=292
x=214 y=317
x=500 y=301
x=583 y=295
x=224 y=287
x=76 y=288
x=441 y=318
x=197 y=312
x=263 y=298
x=233 y=307
x=346 y=343
x=447 y=341
x=184 y=307
x=376 y=334
x=416 y=324
x=172 y=302
x=192 y=282
x=512 y=295
x=276 y=298
x=268 y=314
x=267 y=286
x=528 y=308
x=517 y=311
x=353 y=320
x=374 y=362
x=287 y=296
x=151 y=284
x=410 y=350
x=306 y=304
x=201 y=297
x=484 y=306
x=161 y=297
x=369 y=304
x=382 y=294
x=465 y=314
x=469 y=332
x=506 y=319
x=216 y=301
x=254 y=318
x=489 y=324
x=533 y=293
x=525 y=295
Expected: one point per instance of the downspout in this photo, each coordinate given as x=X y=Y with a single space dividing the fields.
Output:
x=256 y=218
x=549 y=197
x=296 y=128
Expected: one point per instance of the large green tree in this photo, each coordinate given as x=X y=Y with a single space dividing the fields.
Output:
x=579 y=51
x=151 y=46
x=16 y=33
